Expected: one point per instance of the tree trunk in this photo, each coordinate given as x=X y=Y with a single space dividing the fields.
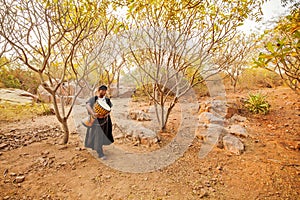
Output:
x=164 y=124
x=118 y=84
x=62 y=120
x=163 y=119
x=66 y=131
x=234 y=86
x=164 y=127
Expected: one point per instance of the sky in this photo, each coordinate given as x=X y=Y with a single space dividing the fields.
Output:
x=272 y=10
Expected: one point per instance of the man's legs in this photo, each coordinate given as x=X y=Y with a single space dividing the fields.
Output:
x=100 y=153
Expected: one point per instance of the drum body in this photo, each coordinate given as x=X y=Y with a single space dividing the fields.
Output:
x=88 y=121
x=101 y=107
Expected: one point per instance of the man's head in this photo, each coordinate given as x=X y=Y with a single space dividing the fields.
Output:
x=102 y=91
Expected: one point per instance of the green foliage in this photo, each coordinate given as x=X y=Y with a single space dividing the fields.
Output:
x=18 y=78
x=256 y=103
x=11 y=82
x=173 y=11
x=13 y=112
x=281 y=50
x=201 y=90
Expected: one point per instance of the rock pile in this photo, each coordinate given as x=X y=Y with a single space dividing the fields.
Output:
x=17 y=138
x=221 y=126
x=134 y=133
x=128 y=124
x=139 y=115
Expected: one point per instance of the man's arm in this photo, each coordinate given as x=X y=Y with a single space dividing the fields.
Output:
x=91 y=110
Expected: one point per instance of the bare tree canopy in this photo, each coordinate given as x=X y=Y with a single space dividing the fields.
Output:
x=46 y=35
x=175 y=45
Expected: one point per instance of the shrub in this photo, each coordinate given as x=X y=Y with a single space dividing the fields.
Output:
x=10 y=81
x=19 y=78
x=14 y=112
x=201 y=90
x=256 y=103
x=254 y=78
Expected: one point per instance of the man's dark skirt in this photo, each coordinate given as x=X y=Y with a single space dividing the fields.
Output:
x=99 y=134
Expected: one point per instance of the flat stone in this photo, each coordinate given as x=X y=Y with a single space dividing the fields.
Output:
x=210 y=130
x=19 y=179
x=233 y=144
x=207 y=118
x=238 y=118
x=16 y=96
x=63 y=147
x=238 y=130
x=3 y=145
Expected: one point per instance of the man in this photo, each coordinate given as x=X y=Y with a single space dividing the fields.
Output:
x=100 y=133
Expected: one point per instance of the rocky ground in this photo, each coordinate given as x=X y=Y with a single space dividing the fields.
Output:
x=34 y=165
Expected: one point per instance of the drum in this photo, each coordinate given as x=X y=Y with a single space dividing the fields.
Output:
x=101 y=107
x=88 y=121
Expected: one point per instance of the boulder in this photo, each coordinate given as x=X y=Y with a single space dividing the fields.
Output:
x=16 y=96
x=139 y=115
x=219 y=107
x=207 y=118
x=238 y=118
x=237 y=130
x=66 y=90
x=233 y=144
x=212 y=135
x=43 y=95
x=207 y=131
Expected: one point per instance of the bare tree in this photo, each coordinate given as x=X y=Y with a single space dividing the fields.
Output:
x=110 y=59
x=237 y=55
x=4 y=48
x=45 y=35
x=92 y=53
x=175 y=45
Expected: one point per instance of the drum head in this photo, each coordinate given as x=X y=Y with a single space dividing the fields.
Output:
x=103 y=104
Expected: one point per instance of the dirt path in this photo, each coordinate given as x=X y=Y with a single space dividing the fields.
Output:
x=268 y=169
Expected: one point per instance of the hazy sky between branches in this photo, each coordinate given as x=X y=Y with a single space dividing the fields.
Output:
x=272 y=10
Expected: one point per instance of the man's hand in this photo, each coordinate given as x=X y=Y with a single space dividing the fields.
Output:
x=95 y=115
x=102 y=116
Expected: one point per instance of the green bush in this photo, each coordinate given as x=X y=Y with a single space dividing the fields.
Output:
x=256 y=103
x=10 y=81
x=18 y=78
x=13 y=112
